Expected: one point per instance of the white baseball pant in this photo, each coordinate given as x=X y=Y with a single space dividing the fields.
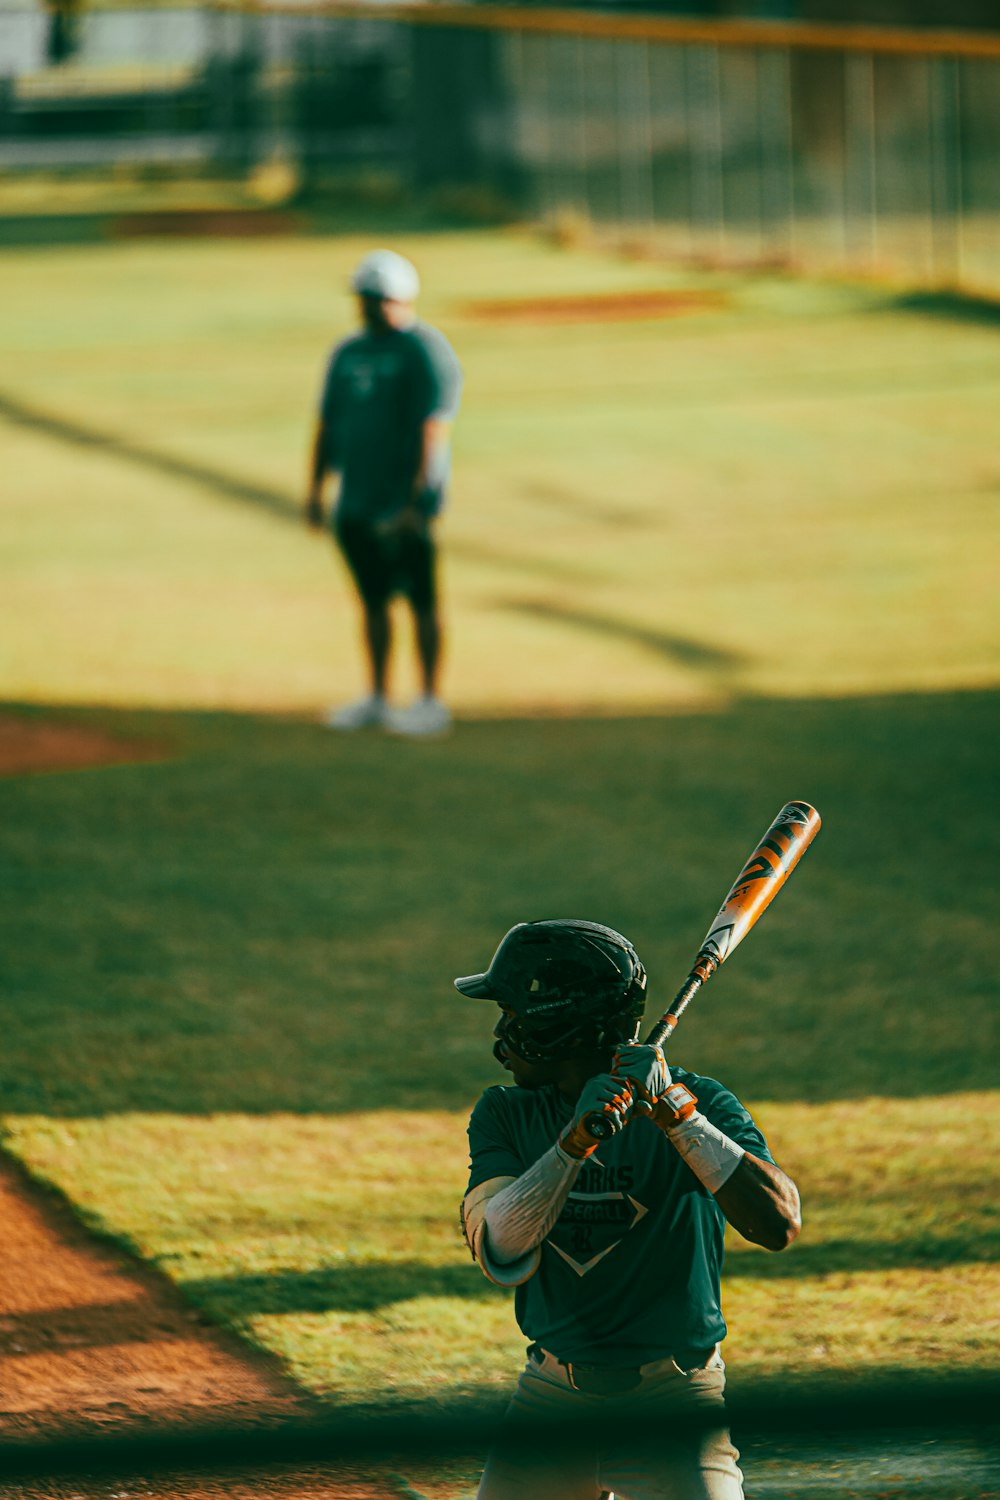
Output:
x=616 y=1449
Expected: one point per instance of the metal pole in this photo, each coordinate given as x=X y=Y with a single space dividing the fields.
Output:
x=959 y=175
x=517 y=147
x=580 y=124
x=774 y=112
x=717 y=150
x=945 y=161
x=860 y=186
x=634 y=131
x=704 y=108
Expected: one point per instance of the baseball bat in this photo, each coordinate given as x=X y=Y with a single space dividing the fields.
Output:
x=761 y=878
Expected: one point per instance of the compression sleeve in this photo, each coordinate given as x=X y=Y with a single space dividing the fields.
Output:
x=506 y=1220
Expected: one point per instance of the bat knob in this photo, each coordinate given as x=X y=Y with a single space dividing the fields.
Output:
x=599 y=1126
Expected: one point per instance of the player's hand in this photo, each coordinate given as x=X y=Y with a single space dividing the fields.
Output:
x=314 y=513
x=409 y=521
x=602 y=1095
x=645 y=1070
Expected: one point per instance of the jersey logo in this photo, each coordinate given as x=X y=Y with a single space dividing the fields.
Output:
x=593 y=1223
x=365 y=371
x=362 y=379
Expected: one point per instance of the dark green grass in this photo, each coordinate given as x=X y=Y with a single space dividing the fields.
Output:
x=271 y=919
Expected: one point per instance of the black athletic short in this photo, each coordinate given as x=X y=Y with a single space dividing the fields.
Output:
x=385 y=564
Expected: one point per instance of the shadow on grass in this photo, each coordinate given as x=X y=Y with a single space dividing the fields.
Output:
x=271 y=922
x=681 y=650
x=64 y=430
x=565 y=500
x=273 y=502
x=343 y=1289
x=959 y=307
x=366 y=1288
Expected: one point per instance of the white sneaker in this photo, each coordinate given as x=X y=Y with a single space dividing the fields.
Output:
x=366 y=713
x=426 y=716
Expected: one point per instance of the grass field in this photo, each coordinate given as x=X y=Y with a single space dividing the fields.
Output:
x=694 y=567
x=787 y=495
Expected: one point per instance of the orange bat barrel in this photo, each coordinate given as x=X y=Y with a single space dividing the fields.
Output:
x=752 y=892
x=756 y=886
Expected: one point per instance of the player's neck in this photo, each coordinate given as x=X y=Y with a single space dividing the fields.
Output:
x=384 y=318
x=575 y=1072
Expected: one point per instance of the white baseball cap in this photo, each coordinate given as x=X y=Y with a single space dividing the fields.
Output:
x=383 y=273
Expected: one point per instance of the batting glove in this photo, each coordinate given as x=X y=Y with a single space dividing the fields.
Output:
x=605 y=1096
x=675 y=1105
x=646 y=1072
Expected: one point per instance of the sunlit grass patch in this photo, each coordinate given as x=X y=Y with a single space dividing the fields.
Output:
x=789 y=495
x=421 y=1349
x=334 y=1241
x=919 y=1321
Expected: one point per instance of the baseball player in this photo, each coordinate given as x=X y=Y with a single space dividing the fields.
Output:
x=390 y=394
x=614 y=1247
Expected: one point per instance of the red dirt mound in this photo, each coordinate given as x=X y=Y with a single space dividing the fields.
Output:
x=610 y=307
x=30 y=744
x=217 y=223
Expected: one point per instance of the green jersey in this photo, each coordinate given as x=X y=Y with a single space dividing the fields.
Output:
x=379 y=391
x=631 y=1270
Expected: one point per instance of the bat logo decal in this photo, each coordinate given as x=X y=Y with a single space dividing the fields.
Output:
x=761 y=877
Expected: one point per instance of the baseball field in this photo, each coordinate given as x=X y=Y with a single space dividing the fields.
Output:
x=695 y=564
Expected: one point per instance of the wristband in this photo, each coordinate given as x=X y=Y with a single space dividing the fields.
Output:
x=577 y=1142
x=675 y=1104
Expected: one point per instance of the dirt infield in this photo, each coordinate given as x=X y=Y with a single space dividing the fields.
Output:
x=30 y=745
x=611 y=307
x=92 y=1341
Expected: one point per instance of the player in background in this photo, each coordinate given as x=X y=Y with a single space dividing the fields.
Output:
x=615 y=1248
x=389 y=396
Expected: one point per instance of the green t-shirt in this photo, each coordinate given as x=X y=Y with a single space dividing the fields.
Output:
x=631 y=1270
x=378 y=392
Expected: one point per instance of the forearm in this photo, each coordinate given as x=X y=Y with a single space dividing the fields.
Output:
x=757 y=1198
x=433 y=437
x=318 y=466
x=761 y=1203
x=318 y=469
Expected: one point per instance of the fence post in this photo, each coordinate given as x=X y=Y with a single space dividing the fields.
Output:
x=705 y=144
x=860 y=226
x=774 y=107
x=943 y=126
x=635 y=132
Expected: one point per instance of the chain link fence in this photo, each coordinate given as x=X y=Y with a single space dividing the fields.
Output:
x=932 y=1435
x=830 y=148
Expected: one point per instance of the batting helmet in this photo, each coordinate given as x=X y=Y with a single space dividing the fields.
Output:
x=383 y=273
x=566 y=986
